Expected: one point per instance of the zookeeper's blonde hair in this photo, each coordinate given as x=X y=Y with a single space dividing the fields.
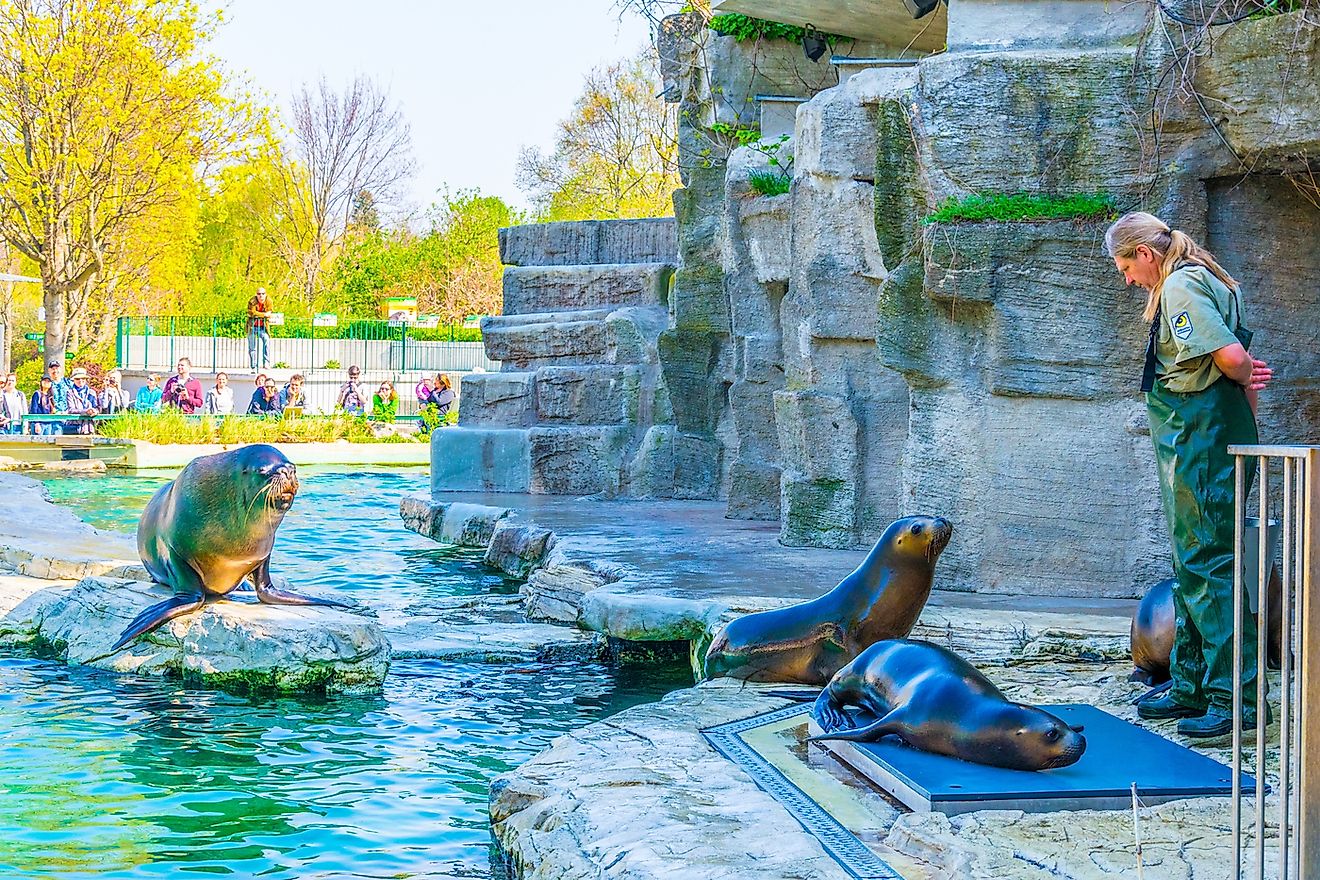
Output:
x=1171 y=247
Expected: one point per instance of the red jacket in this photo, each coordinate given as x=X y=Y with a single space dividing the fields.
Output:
x=188 y=398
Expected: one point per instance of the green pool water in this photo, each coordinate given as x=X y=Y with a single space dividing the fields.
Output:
x=122 y=777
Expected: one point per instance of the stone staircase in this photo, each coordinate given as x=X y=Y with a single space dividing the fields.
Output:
x=580 y=405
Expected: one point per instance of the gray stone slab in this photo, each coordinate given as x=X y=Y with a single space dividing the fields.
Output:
x=530 y=289
x=480 y=459
x=586 y=242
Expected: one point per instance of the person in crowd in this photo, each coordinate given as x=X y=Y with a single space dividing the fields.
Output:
x=259 y=311
x=260 y=381
x=148 y=396
x=293 y=394
x=43 y=404
x=265 y=400
x=442 y=395
x=82 y=401
x=113 y=398
x=13 y=406
x=352 y=399
x=422 y=390
x=385 y=403
x=59 y=386
x=182 y=391
x=220 y=399
x=1201 y=384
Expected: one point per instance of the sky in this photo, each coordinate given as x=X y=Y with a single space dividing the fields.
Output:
x=477 y=81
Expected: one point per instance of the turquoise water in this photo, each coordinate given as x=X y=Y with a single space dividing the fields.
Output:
x=121 y=777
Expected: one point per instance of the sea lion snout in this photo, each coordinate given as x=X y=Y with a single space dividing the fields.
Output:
x=923 y=536
x=283 y=486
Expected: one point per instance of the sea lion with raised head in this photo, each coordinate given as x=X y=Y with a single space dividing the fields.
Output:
x=1153 y=624
x=211 y=528
x=936 y=701
x=808 y=642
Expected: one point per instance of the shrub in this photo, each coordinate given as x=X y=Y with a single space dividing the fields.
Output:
x=332 y=364
x=770 y=183
x=744 y=27
x=172 y=426
x=1024 y=207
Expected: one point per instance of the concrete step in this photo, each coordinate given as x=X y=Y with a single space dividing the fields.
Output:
x=572 y=395
x=590 y=242
x=529 y=342
x=544 y=460
x=536 y=289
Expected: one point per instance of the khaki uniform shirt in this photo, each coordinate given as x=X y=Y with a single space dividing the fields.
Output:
x=1198 y=314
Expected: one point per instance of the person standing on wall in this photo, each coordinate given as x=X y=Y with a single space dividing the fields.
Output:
x=1201 y=387
x=258 y=329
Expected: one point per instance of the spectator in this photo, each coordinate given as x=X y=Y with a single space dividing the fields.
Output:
x=220 y=399
x=258 y=329
x=260 y=381
x=443 y=395
x=422 y=390
x=148 y=396
x=82 y=401
x=43 y=404
x=12 y=406
x=113 y=398
x=181 y=390
x=59 y=387
x=265 y=400
x=292 y=394
x=352 y=399
x=385 y=403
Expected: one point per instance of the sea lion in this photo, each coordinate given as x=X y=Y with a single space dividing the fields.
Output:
x=936 y=701
x=212 y=527
x=1153 y=625
x=808 y=642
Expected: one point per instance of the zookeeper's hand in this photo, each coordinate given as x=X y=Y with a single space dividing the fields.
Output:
x=1261 y=374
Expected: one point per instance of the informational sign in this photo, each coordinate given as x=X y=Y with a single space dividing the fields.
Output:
x=276 y=319
x=34 y=337
x=473 y=322
x=429 y=322
x=325 y=320
x=398 y=310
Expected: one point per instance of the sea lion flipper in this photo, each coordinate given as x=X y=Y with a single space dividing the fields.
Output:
x=871 y=732
x=828 y=712
x=269 y=594
x=159 y=613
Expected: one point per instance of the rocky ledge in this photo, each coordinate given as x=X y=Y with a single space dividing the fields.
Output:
x=234 y=644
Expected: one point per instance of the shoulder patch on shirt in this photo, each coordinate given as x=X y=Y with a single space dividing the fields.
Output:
x=1182 y=325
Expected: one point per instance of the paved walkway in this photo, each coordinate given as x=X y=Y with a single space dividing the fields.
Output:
x=689 y=549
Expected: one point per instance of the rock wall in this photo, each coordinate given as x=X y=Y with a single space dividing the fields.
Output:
x=988 y=371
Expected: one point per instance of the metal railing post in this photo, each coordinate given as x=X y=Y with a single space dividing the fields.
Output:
x=215 y=348
x=146 y=342
x=1308 y=782
x=172 y=360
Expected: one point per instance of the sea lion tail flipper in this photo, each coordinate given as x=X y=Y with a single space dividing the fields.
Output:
x=1153 y=692
x=269 y=594
x=869 y=733
x=796 y=696
x=158 y=614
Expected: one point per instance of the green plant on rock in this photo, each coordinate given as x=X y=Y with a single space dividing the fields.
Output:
x=744 y=27
x=770 y=183
x=1023 y=208
x=742 y=135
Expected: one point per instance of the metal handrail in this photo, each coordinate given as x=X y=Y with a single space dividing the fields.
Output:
x=1299 y=682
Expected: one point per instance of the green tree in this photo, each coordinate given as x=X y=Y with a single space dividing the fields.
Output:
x=107 y=108
x=616 y=154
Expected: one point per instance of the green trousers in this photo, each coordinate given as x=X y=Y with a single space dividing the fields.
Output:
x=1192 y=433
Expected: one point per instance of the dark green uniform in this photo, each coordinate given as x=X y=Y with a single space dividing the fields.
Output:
x=1195 y=413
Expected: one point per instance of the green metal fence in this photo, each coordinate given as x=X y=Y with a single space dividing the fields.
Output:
x=222 y=343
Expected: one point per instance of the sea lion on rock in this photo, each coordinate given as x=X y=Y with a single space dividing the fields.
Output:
x=1153 y=625
x=810 y=641
x=212 y=527
x=936 y=701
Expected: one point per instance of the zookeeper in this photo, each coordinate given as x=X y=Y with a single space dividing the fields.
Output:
x=1201 y=387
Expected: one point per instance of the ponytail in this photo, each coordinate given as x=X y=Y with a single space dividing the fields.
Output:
x=1172 y=248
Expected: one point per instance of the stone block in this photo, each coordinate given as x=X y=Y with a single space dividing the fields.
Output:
x=235 y=645
x=754 y=491
x=1023 y=25
x=451 y=522
x=696 y=466
x=651 y=470
x=497 y=400
x=594 y=395
x=523 y=346
x=480 y=460
x=762 y=359
x=590 y=242
x=764 y=222
x=533 y=289
x=577 y=460
x=517 y=549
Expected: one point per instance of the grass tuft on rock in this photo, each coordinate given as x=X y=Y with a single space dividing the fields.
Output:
x=1024 y=208
x=770 y=183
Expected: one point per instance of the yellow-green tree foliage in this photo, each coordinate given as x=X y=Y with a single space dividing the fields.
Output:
x=107 y=109
x=616 y=154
